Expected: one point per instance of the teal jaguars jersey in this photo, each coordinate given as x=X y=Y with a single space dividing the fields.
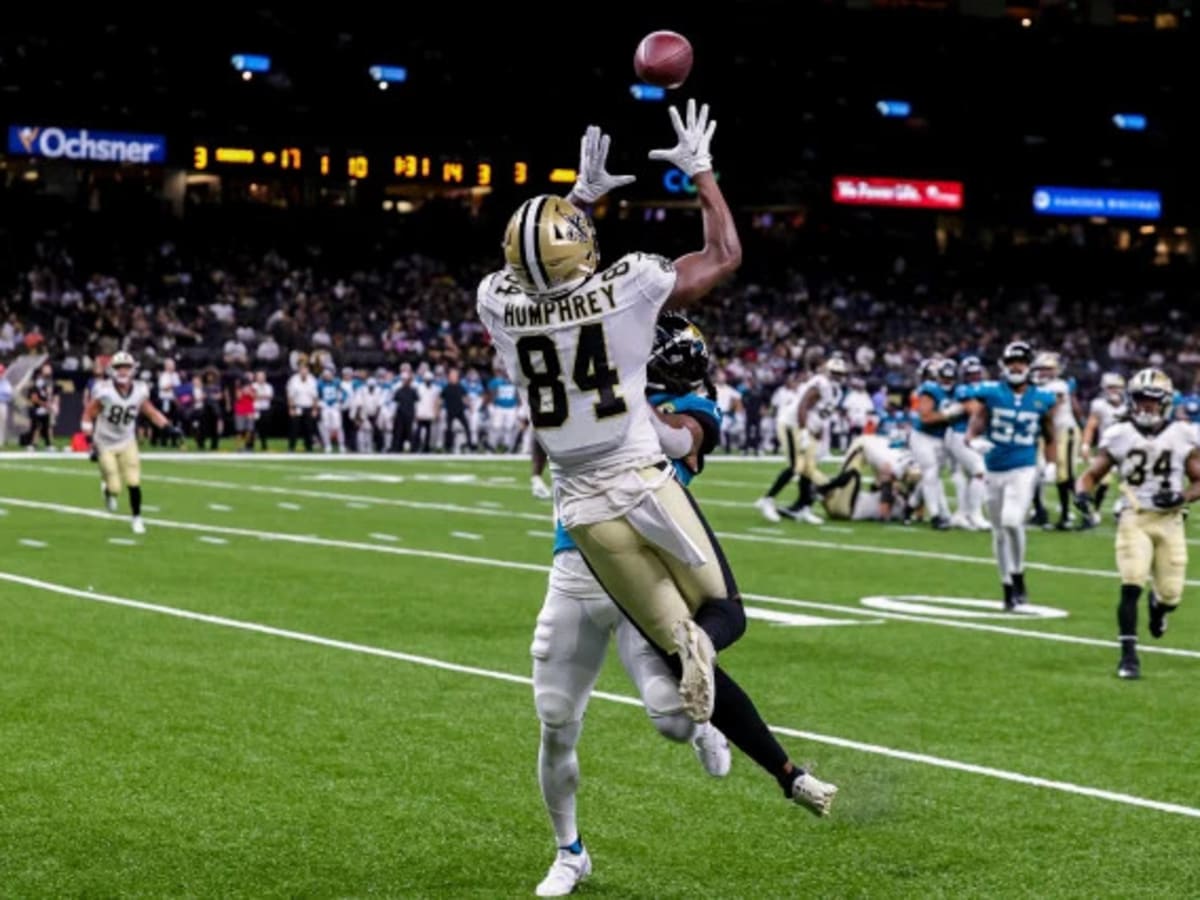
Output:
x=1014 y=422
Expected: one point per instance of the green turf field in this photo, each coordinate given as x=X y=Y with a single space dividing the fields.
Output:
x=344 y=711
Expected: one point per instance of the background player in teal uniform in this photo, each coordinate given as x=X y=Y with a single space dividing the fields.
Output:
x=502 y=411
x=936 y=411
x=1011 y=414
x=578 y=619
x=331 y=398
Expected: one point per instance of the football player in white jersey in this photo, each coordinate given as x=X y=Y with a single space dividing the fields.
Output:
x=576 y=342
x=1155 y=455
x=802 y=427
x=896 y=473
x=1047 y=374
x=111 y=419
x=1106 y=409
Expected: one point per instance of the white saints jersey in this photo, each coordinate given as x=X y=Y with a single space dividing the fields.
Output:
x=580 y=360
x=117 y=421
x=1106 y=412
x=787 y=407
x=1150 y=463
x=829 y=397
x=1064 y=412
x=879 y=453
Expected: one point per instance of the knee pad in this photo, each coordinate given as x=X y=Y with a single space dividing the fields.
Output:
x=661 y=695
x=554 y=708
x=731 y=613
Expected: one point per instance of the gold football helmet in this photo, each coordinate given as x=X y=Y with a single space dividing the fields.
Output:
x=122 y=366
x=1045 y=367
x=1151 y=395
x=550 y=246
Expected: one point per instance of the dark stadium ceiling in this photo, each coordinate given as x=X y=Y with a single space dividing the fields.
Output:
x=526 y=76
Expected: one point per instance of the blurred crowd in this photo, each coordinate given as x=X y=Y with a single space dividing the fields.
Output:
x=222 y=322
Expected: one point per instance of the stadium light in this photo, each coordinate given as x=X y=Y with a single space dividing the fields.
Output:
x=1130 y=121
x=386 y=75
x=647 y=92
x=894 y=109
x=250 y=63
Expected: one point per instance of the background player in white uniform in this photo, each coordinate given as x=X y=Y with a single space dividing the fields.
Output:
x=1047 y=372
x=1105 y=410
x=111 y=419
x=1153 y=453
x=802 y=428
x=895 y=471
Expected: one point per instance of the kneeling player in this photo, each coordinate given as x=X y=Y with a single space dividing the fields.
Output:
x=111 y=418
x=578 y=619
x=1152 y=452
x=896 y=472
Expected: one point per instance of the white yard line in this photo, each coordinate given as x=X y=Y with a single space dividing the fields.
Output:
x=312 y=540
x=290 y=506
x=30 y=542
x=123 y=542
x=467 y=535
x=209 y=539
x=380 y=536
x=429 y=662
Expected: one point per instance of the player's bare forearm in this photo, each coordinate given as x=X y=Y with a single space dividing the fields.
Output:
x=683 y=423
x=978 y=423
x=1089 y=435
x=698 y=273
x=1092 y=476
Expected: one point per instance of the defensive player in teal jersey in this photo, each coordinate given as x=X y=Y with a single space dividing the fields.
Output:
x=1011 y=414
x=578 y=620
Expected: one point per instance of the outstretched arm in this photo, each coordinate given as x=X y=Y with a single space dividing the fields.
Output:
x=594 y=180
x=698 y=273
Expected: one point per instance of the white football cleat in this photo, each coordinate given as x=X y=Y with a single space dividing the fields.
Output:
x=565 y=874
x=111 y=502
x=766 y=506
x=697 y=683
x=960 y=520
x=1096 y=518
x=805 y=514
x=813 y=794
x=712 y=749
x=139 y=527
x=540 y=491
x=980 y=522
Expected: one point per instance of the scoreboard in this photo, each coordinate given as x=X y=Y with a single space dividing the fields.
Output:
x=440 y=169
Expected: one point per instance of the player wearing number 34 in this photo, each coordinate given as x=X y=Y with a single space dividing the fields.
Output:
x=111 y=419
x=1153 y=454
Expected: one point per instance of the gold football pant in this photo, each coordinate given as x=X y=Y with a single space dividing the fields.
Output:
x=1066 y=442
x=121 y=464
x=802 y=450
x=650 y=584
x=1152 y=545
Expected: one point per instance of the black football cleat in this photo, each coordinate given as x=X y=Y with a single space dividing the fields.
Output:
x=940 y=523
x=1129 y=668
x=1009 y=605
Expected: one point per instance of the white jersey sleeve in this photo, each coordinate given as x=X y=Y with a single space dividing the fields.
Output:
x=116 y=424
x=579 y=360
x=829 y=396
x=1064 y=412
x=1149 y=463
x=1106 y=414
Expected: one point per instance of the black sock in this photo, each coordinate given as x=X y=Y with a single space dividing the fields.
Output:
x=738 y=719
x=1064 y=500
x=1039 y=507
x=841 y=480
x=724 y=621
x=735 y=715
x=1018 y=582
x=1008 y=594
x=135 y=500
x=805 y=498
x=1127 y=617
x=781 y=481
x=1100 y=492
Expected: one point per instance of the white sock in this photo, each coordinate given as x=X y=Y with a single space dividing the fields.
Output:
x=558 y=775
x=1000 y=550
x=976 y=492
x=959 y=480
x=1016 y=548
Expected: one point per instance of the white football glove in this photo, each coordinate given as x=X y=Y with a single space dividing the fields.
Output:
x=594 y=181
x=691 y=154
x=981 y=445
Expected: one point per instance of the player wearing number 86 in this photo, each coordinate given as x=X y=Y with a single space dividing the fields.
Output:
x=575 y=338
x=1153 y=454
x=111 y=419
x=1009 y=416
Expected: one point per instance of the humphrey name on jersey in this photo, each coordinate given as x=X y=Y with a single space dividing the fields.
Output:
x=526 y=313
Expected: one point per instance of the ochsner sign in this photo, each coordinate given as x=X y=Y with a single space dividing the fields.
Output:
x=81 y=144
x=906 y=192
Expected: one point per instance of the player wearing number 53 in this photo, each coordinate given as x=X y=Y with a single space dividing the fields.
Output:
x=1154 y=454
x=1009 y=417
x=576 y=338
x=111 y=420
